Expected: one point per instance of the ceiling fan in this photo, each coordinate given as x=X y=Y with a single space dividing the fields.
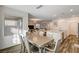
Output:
x=38 y=7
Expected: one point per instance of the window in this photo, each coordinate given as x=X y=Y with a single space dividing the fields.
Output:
x=12 y=29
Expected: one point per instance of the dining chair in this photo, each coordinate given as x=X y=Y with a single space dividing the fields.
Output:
x=24 y=43
x=55 y=43
x=41 y=33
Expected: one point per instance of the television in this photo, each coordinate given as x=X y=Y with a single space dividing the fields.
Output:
x=31 y=26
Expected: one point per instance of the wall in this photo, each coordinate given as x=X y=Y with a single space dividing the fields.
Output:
x=66 y=25
x=1 y=27
x=6 y=42
x=42 y=23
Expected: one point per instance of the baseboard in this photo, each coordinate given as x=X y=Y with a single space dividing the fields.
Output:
x=9 y=47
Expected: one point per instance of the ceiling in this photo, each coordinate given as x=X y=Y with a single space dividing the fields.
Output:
x=48 y=12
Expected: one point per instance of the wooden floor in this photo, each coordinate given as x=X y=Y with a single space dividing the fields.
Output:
x=14 y=49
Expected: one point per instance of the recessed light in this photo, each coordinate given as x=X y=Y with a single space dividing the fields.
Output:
x=71 y=10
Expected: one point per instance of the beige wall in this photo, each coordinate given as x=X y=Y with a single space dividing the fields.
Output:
x=43 y=23
x=68 y=25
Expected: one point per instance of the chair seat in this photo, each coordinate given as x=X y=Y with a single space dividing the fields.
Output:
x=53 y=47
x=50 y=48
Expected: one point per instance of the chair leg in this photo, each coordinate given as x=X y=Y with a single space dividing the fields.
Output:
x=21 y=49
x=44 y=51
x=24 y=49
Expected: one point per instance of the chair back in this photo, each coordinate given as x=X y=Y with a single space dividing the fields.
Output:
x=49 y=34
x=24 y=42
x=27 y=44
x=41 y=33
x=57 y=39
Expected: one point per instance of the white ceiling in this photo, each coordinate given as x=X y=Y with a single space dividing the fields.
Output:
x=48 y=12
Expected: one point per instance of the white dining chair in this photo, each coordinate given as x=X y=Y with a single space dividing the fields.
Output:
x=27 y=44
x=41 y=33
x=24 y=43
x=57 y=41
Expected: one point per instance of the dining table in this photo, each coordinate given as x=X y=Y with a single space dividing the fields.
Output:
x=38 y=40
